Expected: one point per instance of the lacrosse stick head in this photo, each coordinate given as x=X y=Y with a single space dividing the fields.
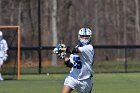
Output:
x=60 y=46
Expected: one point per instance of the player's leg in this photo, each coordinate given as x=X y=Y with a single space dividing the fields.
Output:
x=69 y=85
x=1 y=62
x=85 y=86
x=66 y=89
x=0 y=73
x=91 y=88
x=1 y=77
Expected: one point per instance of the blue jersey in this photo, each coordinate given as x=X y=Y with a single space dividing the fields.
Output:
x=82 y=63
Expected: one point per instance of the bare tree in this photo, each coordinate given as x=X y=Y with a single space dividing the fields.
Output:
x=137 y=22
x=54 y=29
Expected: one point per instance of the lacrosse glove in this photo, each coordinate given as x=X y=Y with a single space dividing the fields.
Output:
x=58 y=51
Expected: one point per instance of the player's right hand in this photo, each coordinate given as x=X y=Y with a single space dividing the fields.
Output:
x=57 y=50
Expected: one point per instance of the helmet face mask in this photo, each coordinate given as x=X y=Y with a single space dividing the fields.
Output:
x=84 y=36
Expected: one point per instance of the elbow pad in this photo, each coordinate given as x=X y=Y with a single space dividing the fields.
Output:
x=69 y=64
x=71 y=50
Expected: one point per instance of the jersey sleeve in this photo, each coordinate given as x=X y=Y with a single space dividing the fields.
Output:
x=86 y=48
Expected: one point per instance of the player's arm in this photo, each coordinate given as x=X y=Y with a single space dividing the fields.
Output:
x=67 y=62
x=70 y=50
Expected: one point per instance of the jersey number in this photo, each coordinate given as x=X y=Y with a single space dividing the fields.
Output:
x=77 y=63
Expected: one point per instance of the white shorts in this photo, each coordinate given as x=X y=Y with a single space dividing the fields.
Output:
x=81 y=86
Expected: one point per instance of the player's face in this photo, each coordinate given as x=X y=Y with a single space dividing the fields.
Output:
x=84 y=38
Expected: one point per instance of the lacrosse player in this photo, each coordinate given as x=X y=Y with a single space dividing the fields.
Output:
x=80 y=61
x=3 y=52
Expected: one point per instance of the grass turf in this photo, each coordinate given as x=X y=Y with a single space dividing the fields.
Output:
x=53 y=83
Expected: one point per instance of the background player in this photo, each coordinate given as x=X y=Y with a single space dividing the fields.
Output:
x=3 y=52
x=80 y=61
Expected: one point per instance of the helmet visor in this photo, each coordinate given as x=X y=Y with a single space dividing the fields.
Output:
x=85 y=36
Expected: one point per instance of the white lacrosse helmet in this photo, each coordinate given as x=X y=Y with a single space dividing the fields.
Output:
x=1 y=35
x=84 y=36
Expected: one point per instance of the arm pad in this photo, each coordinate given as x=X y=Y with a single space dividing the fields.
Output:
x=71 y=50
x=68 y=63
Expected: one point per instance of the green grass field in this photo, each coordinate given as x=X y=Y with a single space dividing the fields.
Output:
x=103 y=83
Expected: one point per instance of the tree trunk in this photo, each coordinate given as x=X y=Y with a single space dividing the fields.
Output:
x=54 y=30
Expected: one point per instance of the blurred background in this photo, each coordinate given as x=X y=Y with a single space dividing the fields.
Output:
x=115 y=25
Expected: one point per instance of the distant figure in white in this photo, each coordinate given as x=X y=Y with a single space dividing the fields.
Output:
x=3 y=52
x=80 y=61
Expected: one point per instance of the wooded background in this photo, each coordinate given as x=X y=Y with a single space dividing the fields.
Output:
x=113 y=22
